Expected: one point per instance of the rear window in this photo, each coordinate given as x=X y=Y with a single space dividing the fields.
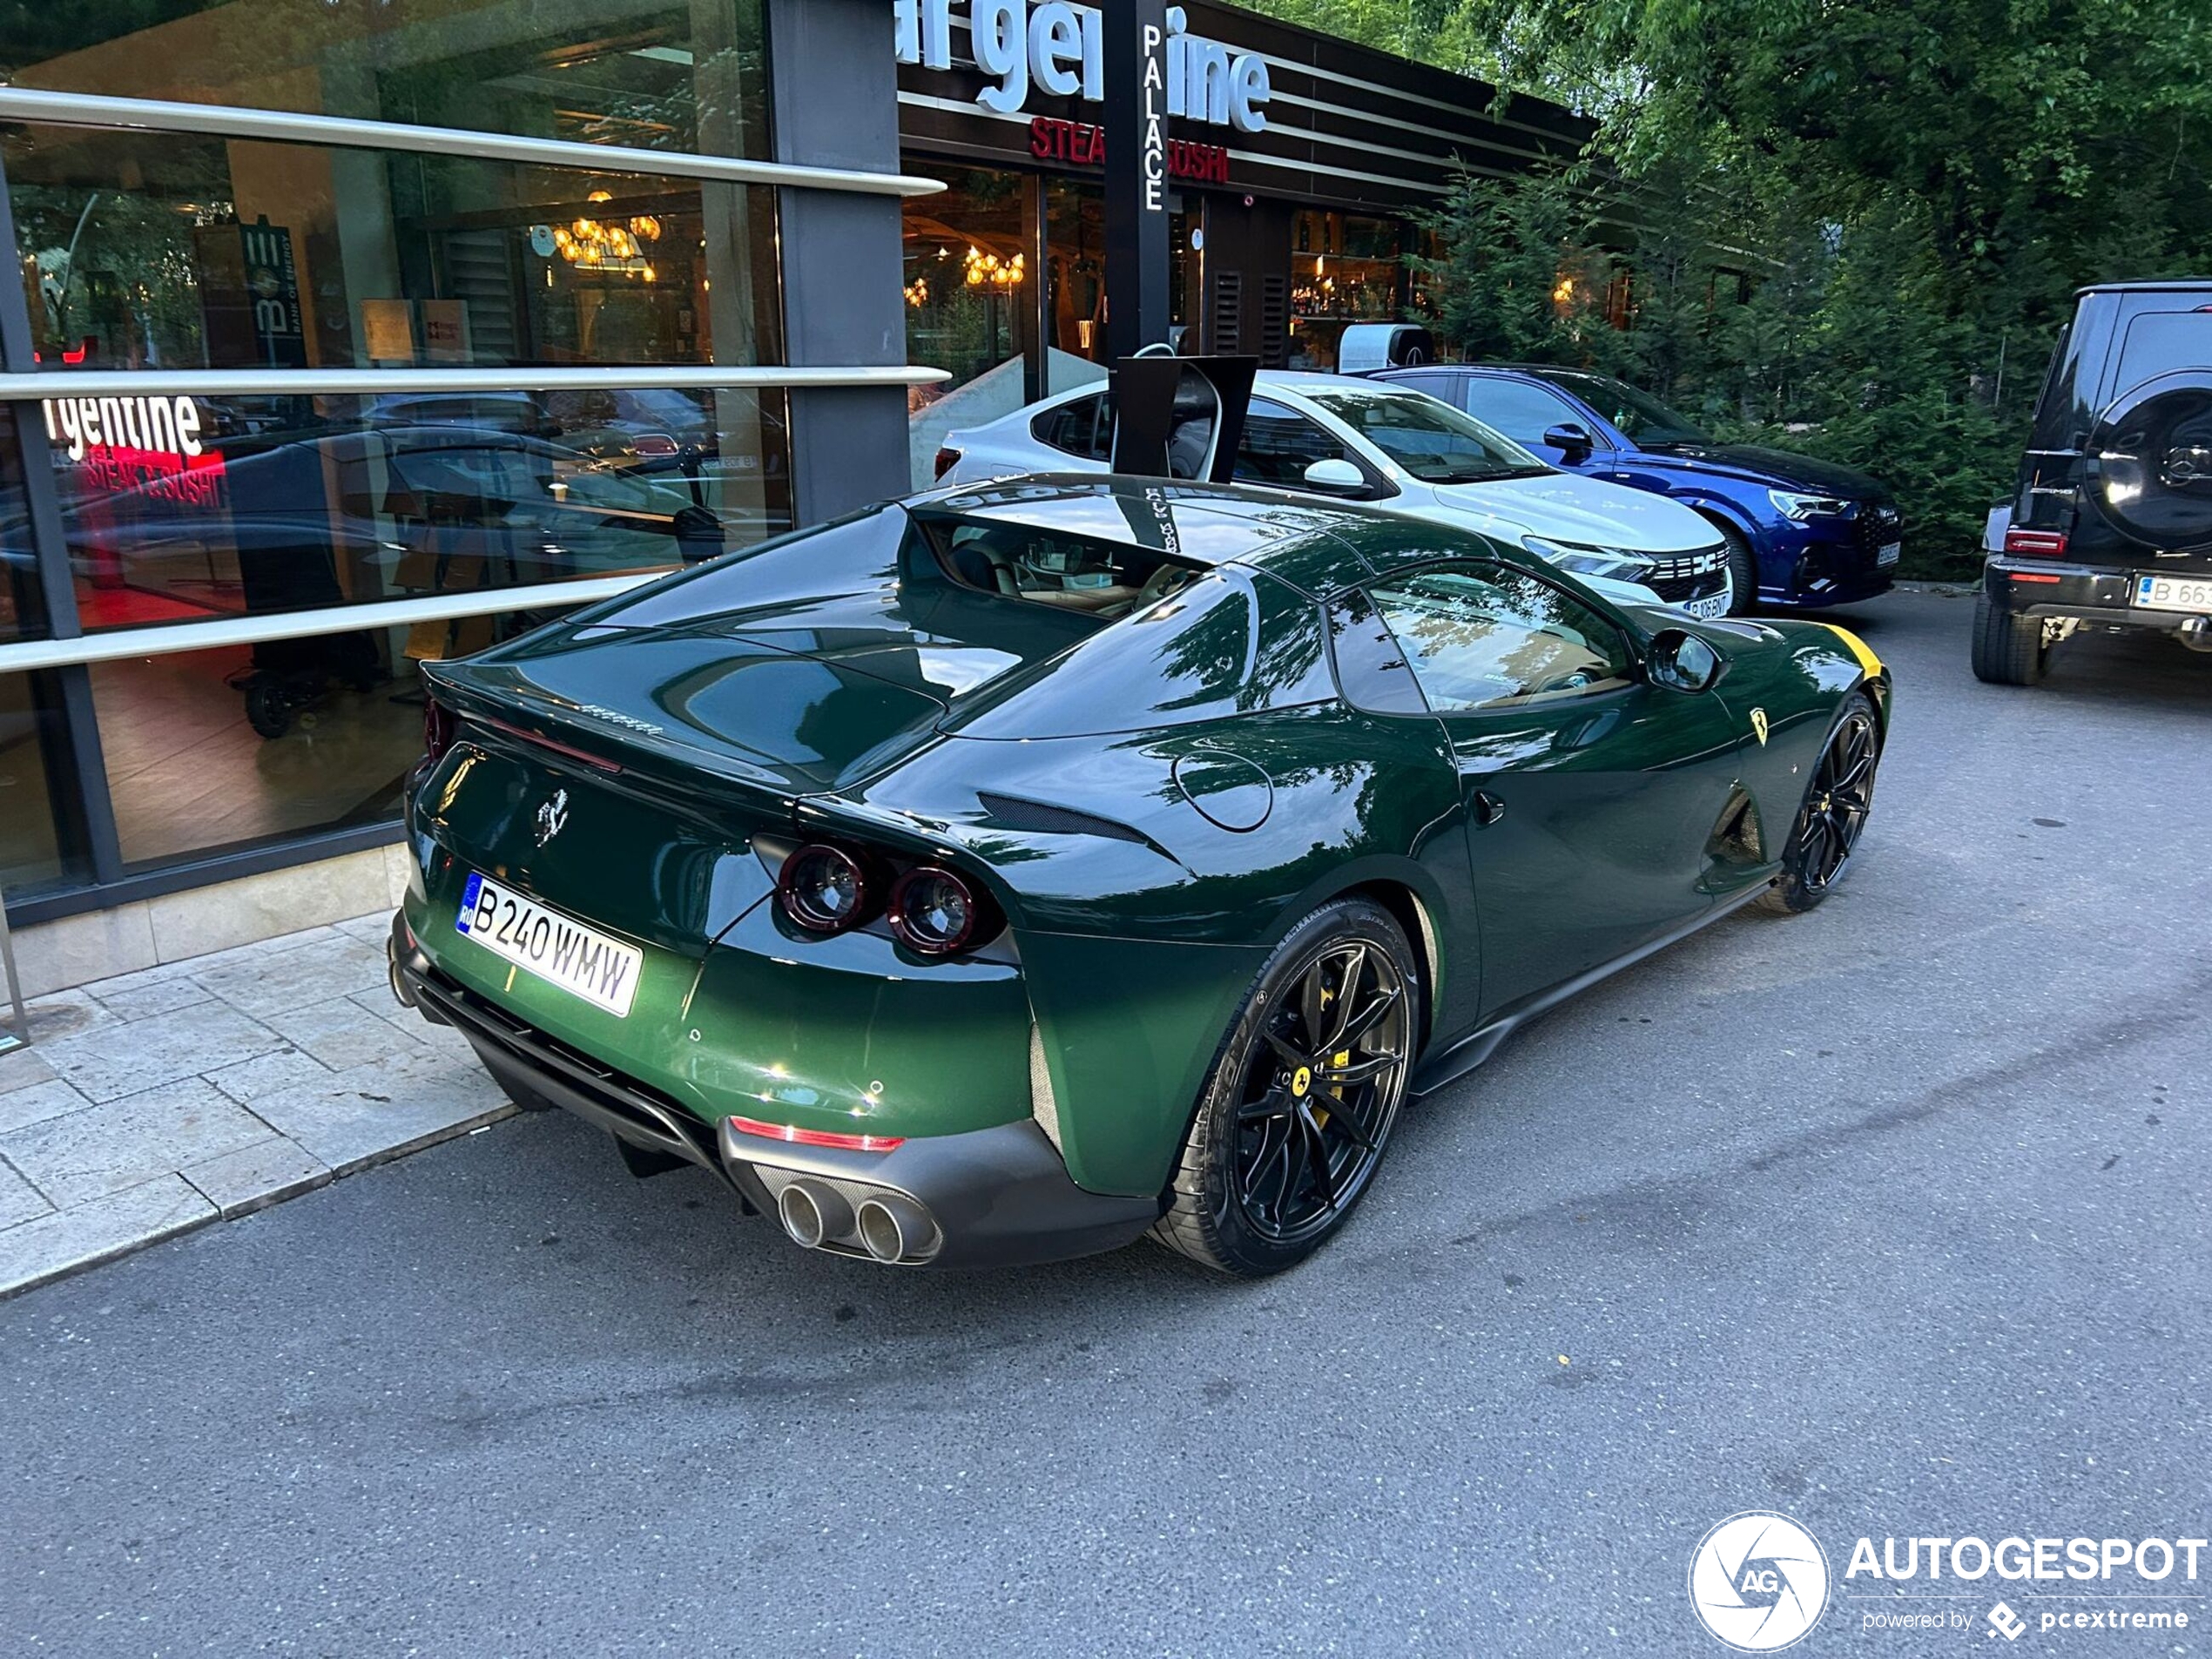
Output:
x=1103 y=580
x=1082 y=427
x=2157 y=342
x=1232 y=642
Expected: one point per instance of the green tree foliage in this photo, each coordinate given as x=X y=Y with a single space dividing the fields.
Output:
x=1854 y=229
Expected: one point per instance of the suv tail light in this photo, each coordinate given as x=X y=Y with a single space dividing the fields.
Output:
x=946 y=459
x=2039 y=544
x=438 y=728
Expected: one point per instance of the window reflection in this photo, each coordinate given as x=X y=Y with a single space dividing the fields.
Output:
x=970 y=298
x=33 y=773
x=217 y=750
x=147 y=250
x=656 y=77
x=21 y=615
x=236 y=507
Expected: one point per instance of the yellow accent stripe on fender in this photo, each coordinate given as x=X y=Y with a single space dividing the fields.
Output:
x=1868 y=662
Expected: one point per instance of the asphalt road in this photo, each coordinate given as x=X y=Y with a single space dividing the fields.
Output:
x=1893 y=1217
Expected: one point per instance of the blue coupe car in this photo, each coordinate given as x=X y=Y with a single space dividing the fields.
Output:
x=1799 y=531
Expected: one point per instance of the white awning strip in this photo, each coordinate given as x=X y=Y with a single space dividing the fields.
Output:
x=125 y=643
x=284 y=126
x=371 y=382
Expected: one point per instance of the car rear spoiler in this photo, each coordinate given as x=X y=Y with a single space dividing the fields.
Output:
x=1148 y=391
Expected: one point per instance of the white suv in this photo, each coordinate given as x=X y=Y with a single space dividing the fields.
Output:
x=1397 y=449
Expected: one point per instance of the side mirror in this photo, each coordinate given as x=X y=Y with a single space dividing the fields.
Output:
x=1335 y=476
x=1683 y=662
x=1571 y=440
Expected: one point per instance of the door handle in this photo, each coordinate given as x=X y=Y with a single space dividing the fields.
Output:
x=1489 y=809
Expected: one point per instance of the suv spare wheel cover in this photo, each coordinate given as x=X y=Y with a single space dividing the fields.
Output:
x=2147 y=466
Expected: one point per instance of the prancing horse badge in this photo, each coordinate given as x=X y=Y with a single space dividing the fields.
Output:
x=1758 y=725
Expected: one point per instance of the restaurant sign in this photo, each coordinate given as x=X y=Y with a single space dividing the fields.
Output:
x=1059 y=49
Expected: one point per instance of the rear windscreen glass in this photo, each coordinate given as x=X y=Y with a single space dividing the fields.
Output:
x=2158 y=342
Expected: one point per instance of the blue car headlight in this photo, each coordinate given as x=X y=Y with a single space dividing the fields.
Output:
x=1791 y=504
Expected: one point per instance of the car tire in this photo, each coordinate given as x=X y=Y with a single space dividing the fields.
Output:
x=1743 y=572
x=1289 y=1127
x=2008 y=649
x=1826 y=832
x=268 y=708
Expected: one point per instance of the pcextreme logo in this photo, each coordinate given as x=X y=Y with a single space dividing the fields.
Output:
x=1759 y=1581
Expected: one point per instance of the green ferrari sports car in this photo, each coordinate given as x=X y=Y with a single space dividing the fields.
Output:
x=1000 y=874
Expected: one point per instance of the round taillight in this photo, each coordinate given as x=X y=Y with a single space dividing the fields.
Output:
x=823 y=888
x=438 y=727
x=934 y=912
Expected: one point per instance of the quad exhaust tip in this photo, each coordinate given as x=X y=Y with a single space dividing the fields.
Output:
x=895 y=1229
x=397 y=980
x=814 y=1214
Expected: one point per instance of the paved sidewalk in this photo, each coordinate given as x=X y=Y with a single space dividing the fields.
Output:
x=208 y=1089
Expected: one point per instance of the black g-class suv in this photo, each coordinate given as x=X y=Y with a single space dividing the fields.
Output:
x=2111 y=525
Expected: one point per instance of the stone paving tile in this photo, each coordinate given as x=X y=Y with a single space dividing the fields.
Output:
x=24 y=1068
x=119 y=1060
x=256 y=1177
x=343 y=1034
x=129 y=1118
x=37 y=1103
x=376 y=928
x=267 y=1073
x=375 y=1112
x=390 y=1009
x=64 y=1241
x=312 y=973
x=65 y=1014
x=105 y=1149
x=158 y=996
x=20 y=1202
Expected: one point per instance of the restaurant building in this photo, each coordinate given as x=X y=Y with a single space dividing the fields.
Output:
x=360 y=334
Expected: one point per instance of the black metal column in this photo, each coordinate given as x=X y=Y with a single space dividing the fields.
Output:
x=833 y=76
x=1135 y=64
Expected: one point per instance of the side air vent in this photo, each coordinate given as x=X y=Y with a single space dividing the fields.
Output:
x=1225 y=316
x=1274 y=321
x=1044 y=1106
x=1040 y=819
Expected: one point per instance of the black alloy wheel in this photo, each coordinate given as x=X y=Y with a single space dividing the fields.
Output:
x=1834 y=813
x=1743 y=572
x=1303 y=1097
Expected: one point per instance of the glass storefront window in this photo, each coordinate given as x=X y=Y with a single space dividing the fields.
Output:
x=1075 y=230
x=1345 y=267
x=177 y=509
x=148 y=250
x=215 y=750
x=683 y=77
x=970 y=296
x=34 y=814
x=23 y=615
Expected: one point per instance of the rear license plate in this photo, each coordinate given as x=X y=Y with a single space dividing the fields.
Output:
x=1888 y=554
x=578 y=959
x=2174 y=593
x=1709 y=607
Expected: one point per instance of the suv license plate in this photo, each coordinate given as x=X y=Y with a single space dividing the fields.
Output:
x=579 y=960
x=1708 y=608
x=2174 y=593
x=1887 y=555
